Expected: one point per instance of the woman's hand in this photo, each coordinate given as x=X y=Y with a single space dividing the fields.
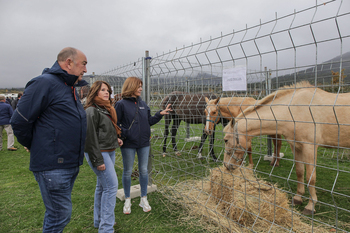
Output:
x=101 y=167
x=120 y=142
x=166 y=111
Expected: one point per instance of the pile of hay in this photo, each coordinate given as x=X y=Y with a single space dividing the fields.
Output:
x=239 y=202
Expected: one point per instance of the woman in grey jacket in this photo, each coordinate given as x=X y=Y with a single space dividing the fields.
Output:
x=101 y=142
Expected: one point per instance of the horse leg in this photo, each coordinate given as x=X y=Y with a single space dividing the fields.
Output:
x=310 y=155
x=166 y=133
x=175 y=126
x=249 y=151
x=277 y=142
x=299 y=167
x=203 y=138
x=211 y=145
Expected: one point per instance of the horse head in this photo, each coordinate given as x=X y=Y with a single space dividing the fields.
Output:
x=234 y=150
x=212 y=114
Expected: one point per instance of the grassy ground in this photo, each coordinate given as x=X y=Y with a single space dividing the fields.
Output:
x=22 y=209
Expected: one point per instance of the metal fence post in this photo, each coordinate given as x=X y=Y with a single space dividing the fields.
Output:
x=268 y=91
x=146 y=96
x=187 y=124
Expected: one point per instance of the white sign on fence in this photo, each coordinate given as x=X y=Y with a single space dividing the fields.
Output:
x=234 y=79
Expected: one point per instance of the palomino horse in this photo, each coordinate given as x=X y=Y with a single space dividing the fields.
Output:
x=229 y=108
x=306 y=116
x=189 y=108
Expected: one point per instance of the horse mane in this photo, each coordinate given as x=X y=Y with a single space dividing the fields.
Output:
x=282 y=91
x=227 y=100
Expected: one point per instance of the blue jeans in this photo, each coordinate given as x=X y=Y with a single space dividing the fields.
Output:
x=56 y=188
x=105 y=193
x=128 y=162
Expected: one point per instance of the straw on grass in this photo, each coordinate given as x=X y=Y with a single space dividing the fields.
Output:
x=240 y=202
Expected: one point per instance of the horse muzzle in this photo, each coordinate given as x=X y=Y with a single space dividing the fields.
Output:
x=234 y=161
x=230 y=166
x=208 y=131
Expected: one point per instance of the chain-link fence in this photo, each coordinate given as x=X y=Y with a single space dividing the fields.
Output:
x=232 y=179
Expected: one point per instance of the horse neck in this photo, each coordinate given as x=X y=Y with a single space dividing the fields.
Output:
x=229 y=111
x=244 y=139
x=232 y=107
x=253 y=127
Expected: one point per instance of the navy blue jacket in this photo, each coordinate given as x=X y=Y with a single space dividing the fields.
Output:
x=50 y=121
x=5 y=113
x=139 y=134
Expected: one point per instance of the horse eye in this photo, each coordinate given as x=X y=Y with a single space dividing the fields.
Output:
x=226 y=141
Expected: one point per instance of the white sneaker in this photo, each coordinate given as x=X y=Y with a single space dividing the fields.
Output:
x=144 y=204
x=127 y=206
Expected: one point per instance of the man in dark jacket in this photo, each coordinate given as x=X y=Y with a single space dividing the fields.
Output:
x=5 y=116
x=51 y=122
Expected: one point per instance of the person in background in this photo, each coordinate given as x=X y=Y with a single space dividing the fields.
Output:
x=84 y=90
x=134 y=119
x=5 y=116
x=101 y=142
x=15 y=101
x=51 y=122
x=9 y=100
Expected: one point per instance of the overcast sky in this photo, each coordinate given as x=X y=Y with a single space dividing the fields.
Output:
x=116 y=32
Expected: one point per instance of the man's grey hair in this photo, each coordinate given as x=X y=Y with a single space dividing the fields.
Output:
x=66 y=53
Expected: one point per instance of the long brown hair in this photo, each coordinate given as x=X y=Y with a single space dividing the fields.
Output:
x=93 y=92
x=130 y=85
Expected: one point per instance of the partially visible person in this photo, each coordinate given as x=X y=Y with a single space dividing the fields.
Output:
x=51 y=122
x=101 y=143
x=9 y=100
x=135 y=121
x=84 y=90
x=5 y=116
x=15 y=101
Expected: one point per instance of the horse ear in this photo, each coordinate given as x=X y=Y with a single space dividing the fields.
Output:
x=206 y=99
x=232 y=122
x=217 y=100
